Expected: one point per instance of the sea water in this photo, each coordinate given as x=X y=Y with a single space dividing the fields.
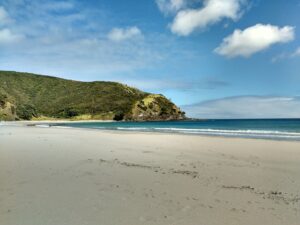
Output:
x=248 y=128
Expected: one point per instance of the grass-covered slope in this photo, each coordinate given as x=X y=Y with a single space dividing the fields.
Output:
x=26 y=96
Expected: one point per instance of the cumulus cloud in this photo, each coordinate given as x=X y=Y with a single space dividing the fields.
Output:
x=170 y=6
x=247 y=107
x=254 y=39
x=121 y=34
x=213 y=11
x=7 y=36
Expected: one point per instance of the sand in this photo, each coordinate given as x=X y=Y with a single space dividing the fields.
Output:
x=56 y=176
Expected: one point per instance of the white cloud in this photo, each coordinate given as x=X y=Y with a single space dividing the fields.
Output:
x=164 y=83
x=170 y=6
x=246 y=107
x=285 y=55
x=7 y=37
x=84 y=59
x=53 y=44
x=58 y=6
x=254 y=39
x=213 y=11
x=120 y=34
x=4 y=17
x=296 y=53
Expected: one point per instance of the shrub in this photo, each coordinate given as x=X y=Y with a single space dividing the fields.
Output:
x=26 y=112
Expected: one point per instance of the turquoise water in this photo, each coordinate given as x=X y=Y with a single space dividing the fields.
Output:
x=251 y=128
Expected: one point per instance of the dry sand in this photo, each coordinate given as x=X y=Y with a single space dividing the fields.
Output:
x=55 y=176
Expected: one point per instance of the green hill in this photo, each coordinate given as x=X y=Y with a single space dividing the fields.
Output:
x=25 y=96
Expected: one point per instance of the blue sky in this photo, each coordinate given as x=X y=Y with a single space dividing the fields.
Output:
x=215 y=58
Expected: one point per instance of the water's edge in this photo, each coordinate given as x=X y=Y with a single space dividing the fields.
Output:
x=275 y=129
x=279 y=129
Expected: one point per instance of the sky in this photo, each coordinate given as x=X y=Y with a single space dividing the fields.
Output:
x=213 y=58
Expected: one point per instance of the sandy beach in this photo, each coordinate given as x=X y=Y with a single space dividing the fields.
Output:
x=56 y=176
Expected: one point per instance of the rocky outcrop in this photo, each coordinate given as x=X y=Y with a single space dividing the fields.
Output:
x=7 y=111
x=155 y=108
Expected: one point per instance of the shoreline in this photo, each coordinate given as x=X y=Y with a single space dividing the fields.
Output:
x=56 y=121
x=43 y=124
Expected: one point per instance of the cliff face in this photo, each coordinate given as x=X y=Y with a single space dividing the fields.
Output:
x=7 y=110
x=27 y=96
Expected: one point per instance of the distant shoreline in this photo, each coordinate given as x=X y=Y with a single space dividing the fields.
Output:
x=55 y=121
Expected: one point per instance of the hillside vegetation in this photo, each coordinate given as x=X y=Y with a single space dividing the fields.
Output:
x=25 y=96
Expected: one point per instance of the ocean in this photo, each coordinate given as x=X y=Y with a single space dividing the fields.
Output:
x=281 y=129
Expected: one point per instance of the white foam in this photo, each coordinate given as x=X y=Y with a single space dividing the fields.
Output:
x=43 y=125
x=133 y=128
x=258 y=132
x=219 y=132
x=63 y=127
